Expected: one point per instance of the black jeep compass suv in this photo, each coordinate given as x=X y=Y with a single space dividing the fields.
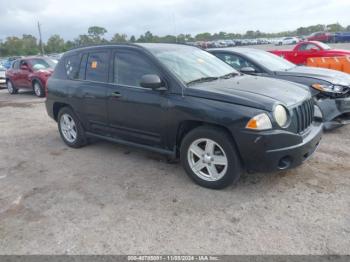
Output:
x=186 y=103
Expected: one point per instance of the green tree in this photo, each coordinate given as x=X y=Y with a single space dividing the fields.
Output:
x=335 y=27
x=69 y=45
x=29 y=45
x=119 y=38
x=55 y=44
x=97 y=31
x=132 y=39
x=203 y=37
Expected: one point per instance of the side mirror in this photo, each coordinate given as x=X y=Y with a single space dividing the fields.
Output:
x=24 y=67
x=313 y=50
x=151 y=81
x=248 y=70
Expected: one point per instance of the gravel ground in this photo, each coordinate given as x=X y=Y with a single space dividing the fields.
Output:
x=110 y=199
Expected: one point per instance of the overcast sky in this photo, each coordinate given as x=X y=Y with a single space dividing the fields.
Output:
x=70 y=18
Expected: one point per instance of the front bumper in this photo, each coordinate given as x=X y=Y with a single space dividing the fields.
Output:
x=335 y=111
x=277 y=149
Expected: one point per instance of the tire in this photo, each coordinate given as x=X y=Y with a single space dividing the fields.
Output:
x=38 y=88
x=11 y=88
x=209 y=174
x=68 y=125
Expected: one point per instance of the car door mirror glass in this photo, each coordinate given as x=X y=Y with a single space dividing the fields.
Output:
x=248 y=70
x=151 y=81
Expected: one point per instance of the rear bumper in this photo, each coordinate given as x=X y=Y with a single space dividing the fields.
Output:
x=49 y=108
x=279 y=150
x=334 y=111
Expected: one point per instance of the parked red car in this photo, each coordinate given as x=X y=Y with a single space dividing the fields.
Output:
x=321 y=37
x=30 y=73
x=305 y=50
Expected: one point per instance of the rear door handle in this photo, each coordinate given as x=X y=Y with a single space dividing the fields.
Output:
x=116 y=94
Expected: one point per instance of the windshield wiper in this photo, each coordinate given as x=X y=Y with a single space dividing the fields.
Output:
x=202 y=79
x=229 y=75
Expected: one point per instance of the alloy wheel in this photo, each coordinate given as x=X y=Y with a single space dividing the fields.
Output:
x=37 y=89
x=68 y=128
x=207 y=159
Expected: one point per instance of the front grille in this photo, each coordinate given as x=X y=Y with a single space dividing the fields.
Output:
x=304 y=115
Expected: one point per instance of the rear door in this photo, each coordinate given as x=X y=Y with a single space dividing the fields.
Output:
x=89 y=86
x=135 y=113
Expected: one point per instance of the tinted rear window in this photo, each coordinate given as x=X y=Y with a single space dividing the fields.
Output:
x=72 y=64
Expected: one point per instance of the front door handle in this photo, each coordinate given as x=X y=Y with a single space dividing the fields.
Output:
x=116 y=94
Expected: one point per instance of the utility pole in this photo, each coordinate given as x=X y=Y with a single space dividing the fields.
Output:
x=40 y=40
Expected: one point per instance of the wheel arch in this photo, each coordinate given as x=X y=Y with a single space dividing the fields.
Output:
x=36 y=79
x=57 y=106
x=188 y=125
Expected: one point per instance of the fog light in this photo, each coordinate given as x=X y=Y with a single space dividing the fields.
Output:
x=285 y=162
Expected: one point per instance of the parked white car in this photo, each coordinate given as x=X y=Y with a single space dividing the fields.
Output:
x=288 y=41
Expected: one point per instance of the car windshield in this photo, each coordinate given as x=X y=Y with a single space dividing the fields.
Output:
x=191 y=64
x=270 y=61
x=41 y=63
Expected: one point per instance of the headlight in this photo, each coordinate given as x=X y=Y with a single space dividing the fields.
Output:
x=281 y=116
x=259 y=122
x=329 y=88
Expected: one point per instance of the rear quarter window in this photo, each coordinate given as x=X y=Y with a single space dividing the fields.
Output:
x=72 y=66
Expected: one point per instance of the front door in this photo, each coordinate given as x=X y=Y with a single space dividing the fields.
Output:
x=23 y=75
x=135 y=113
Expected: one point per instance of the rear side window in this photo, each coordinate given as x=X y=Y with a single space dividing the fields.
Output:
x=129 y=68
x=72 y=66
x=97 y=67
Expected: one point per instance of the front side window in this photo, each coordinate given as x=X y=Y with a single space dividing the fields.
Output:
x=97 y=67
x=15 y=65
x=41 y=64
x=129 y=68
x=190 y=63
x=307 y=47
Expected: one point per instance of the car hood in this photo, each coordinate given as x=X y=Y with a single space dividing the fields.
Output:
x=258 y=92
x=329 y=75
